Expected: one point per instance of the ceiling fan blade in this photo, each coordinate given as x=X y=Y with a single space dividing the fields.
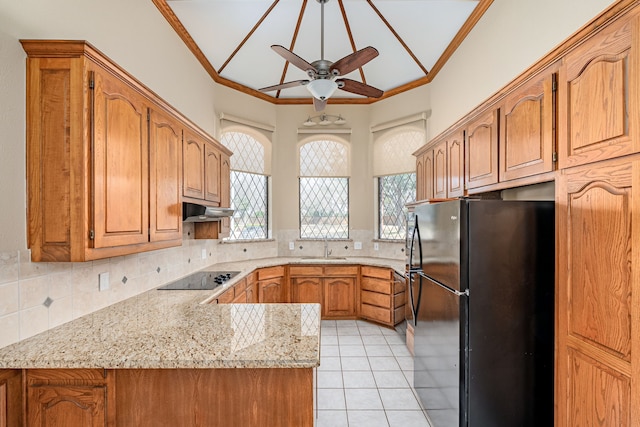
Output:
x=284 y=85
x=358 y=88
x=293 y=58
x=318 y=104
x=354 y=61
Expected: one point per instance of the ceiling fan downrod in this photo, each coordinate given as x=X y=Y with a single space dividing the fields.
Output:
x=322 y=2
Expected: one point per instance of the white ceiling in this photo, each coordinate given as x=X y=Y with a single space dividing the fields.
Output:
x=220 y=27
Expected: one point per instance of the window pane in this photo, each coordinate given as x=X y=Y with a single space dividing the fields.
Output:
x=249 y=201
x=394 y=192
x=324 y=208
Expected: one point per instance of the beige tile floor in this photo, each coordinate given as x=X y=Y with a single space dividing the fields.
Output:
x=365 y=377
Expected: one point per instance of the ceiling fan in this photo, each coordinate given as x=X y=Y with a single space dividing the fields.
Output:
x=325 y=76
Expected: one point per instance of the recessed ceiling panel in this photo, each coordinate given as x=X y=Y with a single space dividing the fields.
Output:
x=235 y=37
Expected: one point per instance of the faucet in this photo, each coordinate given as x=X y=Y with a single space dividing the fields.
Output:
x=327 y=252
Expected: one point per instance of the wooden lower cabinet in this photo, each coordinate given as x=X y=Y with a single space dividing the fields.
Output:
x=11 y=398
x=69 y=397
x=339 y=299
x=382 y=295
x=272 y=286
x=598 y=308
x=306 y=290
x=274 y=397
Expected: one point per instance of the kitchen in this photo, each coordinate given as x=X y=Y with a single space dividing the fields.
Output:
x=157 y=64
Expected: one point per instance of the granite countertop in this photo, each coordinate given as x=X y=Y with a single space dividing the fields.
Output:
x=177 y=329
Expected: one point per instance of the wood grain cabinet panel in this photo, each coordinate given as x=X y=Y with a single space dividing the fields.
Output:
x=527 y=128
x=306 y=290
x=597 y=278
x=67 y=397
x=481 y=150
x=165 y=177
x=121 y=163
x=608 y=393
x=11 y=398
x=339 y=297
x=193 y=171
x=455 y=165
x=212 y=164
x=595 y=86
x=440 y=177
x=424 y=175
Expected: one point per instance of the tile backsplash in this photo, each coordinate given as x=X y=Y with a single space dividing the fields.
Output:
x=36 y=296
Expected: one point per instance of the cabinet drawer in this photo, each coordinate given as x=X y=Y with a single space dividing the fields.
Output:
x=399 y=284
x=341 y=270
x=379 y=272
x=399 y=300
x=382 y=315
x=375 y=298
x=299 y=270
x=271 y=272
x=376 y=285
x=398 y=315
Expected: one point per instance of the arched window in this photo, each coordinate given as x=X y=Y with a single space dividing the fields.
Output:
x=394 y=168
x=324 y=189
x=249 y=184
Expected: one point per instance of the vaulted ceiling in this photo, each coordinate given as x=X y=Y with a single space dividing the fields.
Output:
x=233 y=38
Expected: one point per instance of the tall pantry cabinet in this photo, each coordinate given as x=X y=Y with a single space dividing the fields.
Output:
x=598 y=201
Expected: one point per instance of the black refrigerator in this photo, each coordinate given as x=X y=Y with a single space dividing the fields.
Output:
x=481 y=292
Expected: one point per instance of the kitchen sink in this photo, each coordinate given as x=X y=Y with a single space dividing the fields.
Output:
x=322 y=258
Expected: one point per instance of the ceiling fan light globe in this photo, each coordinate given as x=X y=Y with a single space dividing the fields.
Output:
x=322 y=88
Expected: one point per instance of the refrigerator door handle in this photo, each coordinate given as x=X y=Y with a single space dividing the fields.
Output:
x=445 y=287
x=413 y=301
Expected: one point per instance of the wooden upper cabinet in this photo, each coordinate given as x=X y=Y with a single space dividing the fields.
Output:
x=193 y=156
x=165 y=177
x=440 y=177
x=212 y=164
x=598 y=81
x=424 y=175
x=527 y=128
x=455 y=164
x=88 y=158
x=121 y=163
x=481 y=150
x=225 y=193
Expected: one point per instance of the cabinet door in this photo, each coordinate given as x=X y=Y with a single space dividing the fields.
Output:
x=440 y=170
x=252 y=292
x=225 y=193
x=527 y=123
x=193 y=165
x=306 y=290
x=420 y=181
x=455 y=165
x=481 y=150
x=596 y=97
x=272 y=290
x=597 y=278
x=10 y=398
x=424 y=175
x=66 y=405
x=120 y=164
x=339 y=297
x=165 y=178
x=212 y=165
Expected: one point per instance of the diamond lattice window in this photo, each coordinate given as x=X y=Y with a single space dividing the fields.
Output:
x=249 y=185
x=324 y=208
x=324 y=190
x=394 y=191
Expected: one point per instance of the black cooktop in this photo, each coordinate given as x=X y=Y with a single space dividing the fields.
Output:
x=204 y=280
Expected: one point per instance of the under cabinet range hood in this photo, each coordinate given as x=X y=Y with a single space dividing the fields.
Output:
x=192 y=212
